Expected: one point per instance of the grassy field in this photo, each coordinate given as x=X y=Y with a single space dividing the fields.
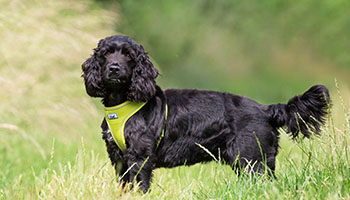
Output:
x=50 y=146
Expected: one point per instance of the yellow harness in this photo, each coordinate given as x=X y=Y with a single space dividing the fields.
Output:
x=118 y=115
x=116 y=118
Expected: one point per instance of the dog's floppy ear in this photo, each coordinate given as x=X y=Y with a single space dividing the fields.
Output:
x=143 y=84
x=92 y=74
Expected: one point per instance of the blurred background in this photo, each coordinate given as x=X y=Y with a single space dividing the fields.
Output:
x=266 y=50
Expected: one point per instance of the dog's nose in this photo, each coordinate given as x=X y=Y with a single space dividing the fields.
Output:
x=114 y=68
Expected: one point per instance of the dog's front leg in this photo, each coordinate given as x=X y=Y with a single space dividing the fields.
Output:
x=115 y=155
x=121 y=170
x=141 y=172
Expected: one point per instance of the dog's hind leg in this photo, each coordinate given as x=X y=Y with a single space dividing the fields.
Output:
x=248 y=156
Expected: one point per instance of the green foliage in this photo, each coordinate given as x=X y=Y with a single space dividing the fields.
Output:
x=207 y=44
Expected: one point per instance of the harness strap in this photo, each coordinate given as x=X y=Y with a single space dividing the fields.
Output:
x=164 y=126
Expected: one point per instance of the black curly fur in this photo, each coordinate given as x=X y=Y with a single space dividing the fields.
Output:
x=234 y=128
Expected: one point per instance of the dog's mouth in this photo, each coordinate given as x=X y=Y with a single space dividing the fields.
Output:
x=115 y=81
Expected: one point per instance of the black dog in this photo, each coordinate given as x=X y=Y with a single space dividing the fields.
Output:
x=234 y=128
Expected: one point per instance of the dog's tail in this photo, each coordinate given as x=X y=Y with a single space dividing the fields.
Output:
x=304 y=113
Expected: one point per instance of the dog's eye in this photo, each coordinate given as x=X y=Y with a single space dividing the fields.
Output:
x=109 y=52
x=128 y=56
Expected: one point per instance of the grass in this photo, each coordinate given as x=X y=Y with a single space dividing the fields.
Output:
x=43 y=44
x=50 y=146
x=311 y=169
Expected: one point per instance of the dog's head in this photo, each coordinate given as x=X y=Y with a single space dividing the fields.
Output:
x=120 y=64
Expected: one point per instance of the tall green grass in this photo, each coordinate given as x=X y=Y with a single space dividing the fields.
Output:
x=311 y=169
x=42 y=97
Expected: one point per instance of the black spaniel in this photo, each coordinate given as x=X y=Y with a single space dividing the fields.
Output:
x=179 y=126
